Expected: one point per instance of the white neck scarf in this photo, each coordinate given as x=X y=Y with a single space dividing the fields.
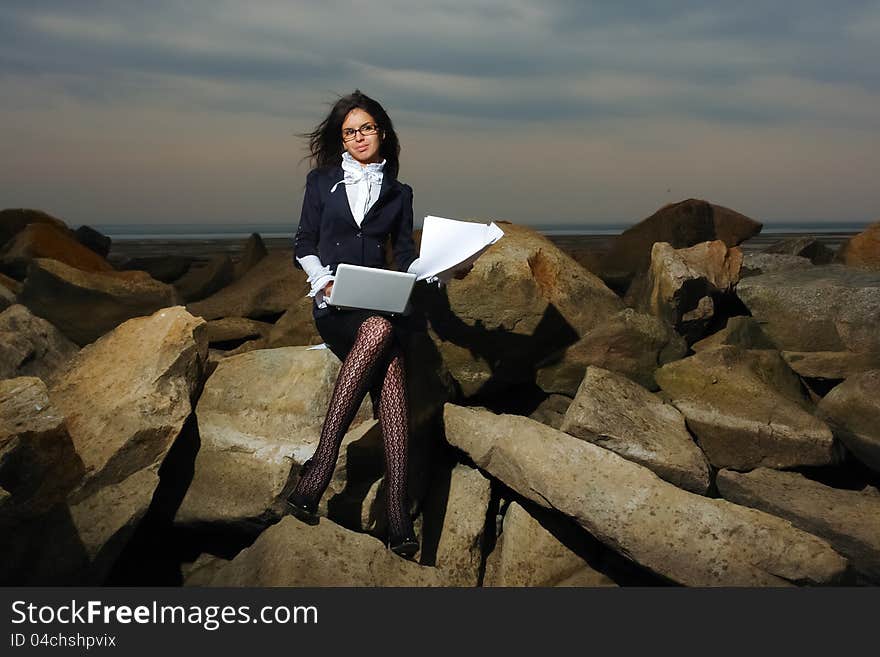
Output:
x=354 y=172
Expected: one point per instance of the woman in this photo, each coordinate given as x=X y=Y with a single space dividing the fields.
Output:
x=353 y=203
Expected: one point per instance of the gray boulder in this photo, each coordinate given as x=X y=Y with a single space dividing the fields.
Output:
x=526 y=554
x=756 y=263
x=747 y=409
x=848 y=519
x=852 y=410
x=629 y=342
x=85 y=305
x=617 y=414
x=31 y=346
x=292 y=553
x=687 y=538
x=828 y=308
x=204 y=278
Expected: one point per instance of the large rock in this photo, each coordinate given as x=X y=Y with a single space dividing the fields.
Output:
x=629 y=342
x=687 y=538
x=83 y=305
x=523 y=301
x=7 y=297
x=295 y=327
x=680 y=224
x=38 y=463
x=31 y=346
x=292 y=553
x=688 y=288
x=863 y=250
x=260 y=416
x=93 y=239
x=552 y=410
x=747 y=409
x=830 y=365
x=14 y=220
x=236 y=329
x=203 y=279
x=829 y=308
x=852 y=409
x=848 y=519
x=127 y=395
x=741 y=331
x=617 y=414
x=459 y=552
x=43 y=240
x=804 y=246
x=165 y=268
x=271 y=287
x=756 y=263
x=526 y=554
x=254 y=251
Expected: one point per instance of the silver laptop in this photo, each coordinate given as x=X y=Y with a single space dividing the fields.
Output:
x=371 y=288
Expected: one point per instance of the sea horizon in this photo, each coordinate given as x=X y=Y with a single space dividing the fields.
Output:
x=219 y=231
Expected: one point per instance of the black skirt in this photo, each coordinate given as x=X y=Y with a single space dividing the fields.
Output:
x=339 y=328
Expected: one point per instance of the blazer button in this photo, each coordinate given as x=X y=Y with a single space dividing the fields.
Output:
x=358 y=234
x=337 y=243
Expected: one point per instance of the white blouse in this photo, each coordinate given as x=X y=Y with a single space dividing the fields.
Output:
x=362 y=186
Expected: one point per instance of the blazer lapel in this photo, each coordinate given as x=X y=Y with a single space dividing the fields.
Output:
x=339 y=197
x=385 y=191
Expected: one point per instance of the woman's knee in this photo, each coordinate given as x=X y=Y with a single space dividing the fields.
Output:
x=376 y=329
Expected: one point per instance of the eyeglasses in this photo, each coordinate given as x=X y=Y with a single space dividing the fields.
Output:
x=366 y=130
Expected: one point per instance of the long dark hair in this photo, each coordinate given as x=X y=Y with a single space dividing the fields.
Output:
x=325 y=141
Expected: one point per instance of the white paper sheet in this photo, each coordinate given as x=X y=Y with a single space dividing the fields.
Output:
x=449 y=244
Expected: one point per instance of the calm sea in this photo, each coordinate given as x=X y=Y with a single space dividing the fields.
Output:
x=205 y=240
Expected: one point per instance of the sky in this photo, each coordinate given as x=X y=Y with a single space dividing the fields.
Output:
x=536 y=112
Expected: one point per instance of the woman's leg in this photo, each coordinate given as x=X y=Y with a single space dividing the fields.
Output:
x=374 y=338
x=394 y=421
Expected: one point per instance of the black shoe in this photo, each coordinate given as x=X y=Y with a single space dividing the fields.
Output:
x=403 y=546
x=303 y=508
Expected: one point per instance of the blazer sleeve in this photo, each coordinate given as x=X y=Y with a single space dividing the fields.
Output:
x=402 y=244
x=305 y=242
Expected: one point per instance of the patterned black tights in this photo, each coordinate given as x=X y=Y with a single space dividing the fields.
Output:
x=373 y=350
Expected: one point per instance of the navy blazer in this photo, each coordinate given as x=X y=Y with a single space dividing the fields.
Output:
x=328 y=230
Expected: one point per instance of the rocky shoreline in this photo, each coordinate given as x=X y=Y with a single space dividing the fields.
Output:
x=688 y=403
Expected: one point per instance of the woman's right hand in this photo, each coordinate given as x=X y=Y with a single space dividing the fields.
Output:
x=328 y=289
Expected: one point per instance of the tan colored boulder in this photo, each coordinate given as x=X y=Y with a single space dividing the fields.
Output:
x=292 y=553
x=84 y=305
x=828 y=308
x=682 y=225
x=269 y=288
x=14 y=220
x=852 y=410
x=629 y=342
x=747 y=409
x=202 y=279
x=863 y=250
x=551 y=411
x=31 y=346
x=526 y=554
x=38 y=463
x=618 y=414
x=830 y=365
x=295 y=327
x=848 y=519
x=127 y=395
x=43 y=240
x=684 y=287
x=523 y=301
x=234 y=329
x=459 y=553
x=254 y=251
x=687 y=538
x=260 y=416
x=741 y=331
